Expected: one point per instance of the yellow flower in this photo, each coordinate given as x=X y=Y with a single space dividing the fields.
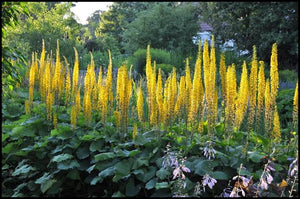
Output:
x=231 y=95
x=188 y=85
x=109 y=79
x=75 y=73
x=118 y=118
x=134 y=132
x=261 y=91
x=159 y=96
x=124 y=89
x=276 y=126
x=77 y=101
x=222 y=72
x=181 y=98
x=41 y=72
x=267 y=108
x=27 y=107
x=31 y=83
x=55 y=120
x=197 y=90
x=274 y=76
x=252 y=89
x=140 y=103
x=68 y=86
x=295 y=106
x=242 y=101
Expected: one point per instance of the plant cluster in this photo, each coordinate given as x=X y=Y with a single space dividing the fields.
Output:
x=105 y=134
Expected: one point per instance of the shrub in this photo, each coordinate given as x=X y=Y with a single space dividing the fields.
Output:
x=166 y=68
x=285 y=106
x=288 y=76
x=138 y=59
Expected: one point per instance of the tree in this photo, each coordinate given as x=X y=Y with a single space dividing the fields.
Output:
x=51 y=24
x=93 y=22
x=12 y=59
x=257 y=23
x=114 y=21
x=166 y=26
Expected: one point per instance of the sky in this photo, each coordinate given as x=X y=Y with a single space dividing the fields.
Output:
x=84 y=9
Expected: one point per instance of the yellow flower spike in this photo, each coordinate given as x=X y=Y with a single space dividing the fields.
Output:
x=134 y=131
x=188 y=85
x=118 y=118
x=261 y=91
x=42 y=72
x=276 y=126
x=197 y=89
x=159 y=96
x=222 y=72
x=267 y=97
x=109 y=79
x=68 y=87
x=274 y=76
x=140 y=103
x=75 y=73
x=77 y=102
x=31 y=83
x=55 y=120
x=242 y=100
x=295 y=106
x=231 y=95
x=181 y=98
x=27 y=107
x=252 y=89
x=73 y=117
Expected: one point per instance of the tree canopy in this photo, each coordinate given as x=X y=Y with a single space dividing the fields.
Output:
x=257 y=23
x=167 y=26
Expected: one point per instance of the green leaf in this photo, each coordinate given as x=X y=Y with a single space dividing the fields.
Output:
x=131 y=189
x=203 y=167
x=74 y=175
x=68 y=165
x=23 y=169
x=4 y=136
x=162 y=185
x=43 y=179
x=54 y=132
x=96 y=180
x=61 y=157
x=220 y=175
x=122 y=169
x=255 y=156
x=140 y=162
x=17 y=130
x=162 y=173
x=104 y=156
x=125 y=153
x=151 y=184
x=118 y=194
x=87 y=137
x=82 y=152
x=96 y=145
x=141 y=140
x=45 y=186
x=149 y=172
x=91 y=168
x=107 y=172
